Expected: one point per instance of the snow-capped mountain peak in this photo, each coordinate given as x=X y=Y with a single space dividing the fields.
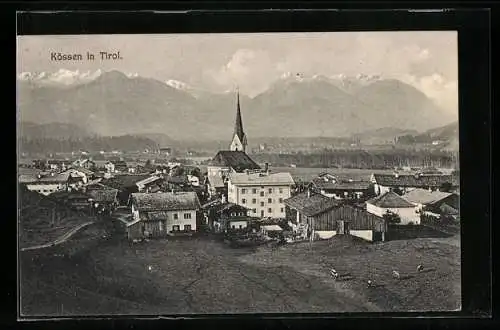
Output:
x=177 y=84
x=60 y=77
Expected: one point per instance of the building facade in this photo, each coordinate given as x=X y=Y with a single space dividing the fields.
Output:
x=262 y=193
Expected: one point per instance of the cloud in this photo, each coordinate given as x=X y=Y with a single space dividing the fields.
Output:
x=443 y=91
x=250 y=69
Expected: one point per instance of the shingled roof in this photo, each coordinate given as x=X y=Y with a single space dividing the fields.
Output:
x=239 y=161
x=103 y=195
x=390 y=200
x=423 y=196
x=417 y=181
x=311 y=205
x=165 y=201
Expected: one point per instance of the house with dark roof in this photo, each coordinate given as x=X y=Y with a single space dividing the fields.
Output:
x=407 y=182
x=46 y=184
x=105 y=200
x=391 y=202
x=163 y=214
x=331 y=186
x=313 y=215
x=225 y=217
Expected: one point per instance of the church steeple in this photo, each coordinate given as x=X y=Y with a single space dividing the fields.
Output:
x=239 y=142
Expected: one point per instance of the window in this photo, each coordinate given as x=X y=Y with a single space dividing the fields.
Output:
x=243 y=201
x=282 y=210
x=241 y=226
x=261 y=194
x=270 y=190
x=243 y=191
x=233 y=226
x=269 y=210
x=176 y=216
x=242 y=214
x=254 y=210
x=269 y=200
x=261 y=203
x=187 y=215
x=233 y=214
x=187 y=227
x=176 y=228
x=254 y=201
x=261 y=213
x=281 y=200
x=281 y=190
x=254 y=191
x=161 y=225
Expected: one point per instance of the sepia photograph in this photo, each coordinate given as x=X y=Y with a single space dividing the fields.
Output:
x=238 y=173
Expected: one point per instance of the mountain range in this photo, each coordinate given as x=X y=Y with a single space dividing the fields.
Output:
x=113 y=103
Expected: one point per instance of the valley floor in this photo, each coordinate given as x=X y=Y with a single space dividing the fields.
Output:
x=203 y=275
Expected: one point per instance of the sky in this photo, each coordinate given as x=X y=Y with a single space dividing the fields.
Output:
x=427 y=60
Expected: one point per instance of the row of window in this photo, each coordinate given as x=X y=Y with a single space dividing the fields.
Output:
x=174 y=227
x=254 y=191
x=269 y=210
x=186 y=216
x=254 y=201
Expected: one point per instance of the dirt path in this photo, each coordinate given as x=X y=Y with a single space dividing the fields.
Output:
x=61 y=239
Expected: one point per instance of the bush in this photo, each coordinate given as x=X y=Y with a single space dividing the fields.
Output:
x=392 y=218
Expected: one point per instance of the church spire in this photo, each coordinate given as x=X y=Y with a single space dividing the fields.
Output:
x=239 y=134
x=238 y=126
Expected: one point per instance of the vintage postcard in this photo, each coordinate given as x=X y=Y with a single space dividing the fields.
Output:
x=238 y=173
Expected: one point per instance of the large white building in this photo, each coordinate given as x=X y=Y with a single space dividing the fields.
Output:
x=393 y=203
x=263 y=193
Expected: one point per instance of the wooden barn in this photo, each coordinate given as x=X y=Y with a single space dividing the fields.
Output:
x=323 y=217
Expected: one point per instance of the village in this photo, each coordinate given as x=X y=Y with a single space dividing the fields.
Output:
x=235 y=200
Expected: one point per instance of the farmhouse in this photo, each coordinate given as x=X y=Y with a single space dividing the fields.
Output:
x=106 y=200
x=436 y=202
x=162 y=214
x=331 y=186
x=45 y=184
x=228 y=216
x=150 y=184
x=216 y=186
x=389 y=182
x=75 y=200
x=263 y=193
x=116 y=166
x=393 y=203
x=319 y=216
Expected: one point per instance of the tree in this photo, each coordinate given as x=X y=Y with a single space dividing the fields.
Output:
x=391 y=217
x=196 y=172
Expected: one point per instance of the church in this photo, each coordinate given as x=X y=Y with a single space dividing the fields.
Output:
x=234 y=160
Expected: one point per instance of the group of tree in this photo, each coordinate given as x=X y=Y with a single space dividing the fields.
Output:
x=373 y=159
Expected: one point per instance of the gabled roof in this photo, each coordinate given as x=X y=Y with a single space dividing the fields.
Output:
x=44 y=179
x=417 y=181
x=261 y=179
x=216 y=181
x=165 y=201
x=423 y=196
x=239 y=161
x=390 y=200
x=146 y=181
x=103 y=195
x=311 y=205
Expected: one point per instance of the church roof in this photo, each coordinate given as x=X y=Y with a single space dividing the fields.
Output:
x=237 y=160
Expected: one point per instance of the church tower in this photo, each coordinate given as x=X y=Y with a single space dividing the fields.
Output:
x=239 y=142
